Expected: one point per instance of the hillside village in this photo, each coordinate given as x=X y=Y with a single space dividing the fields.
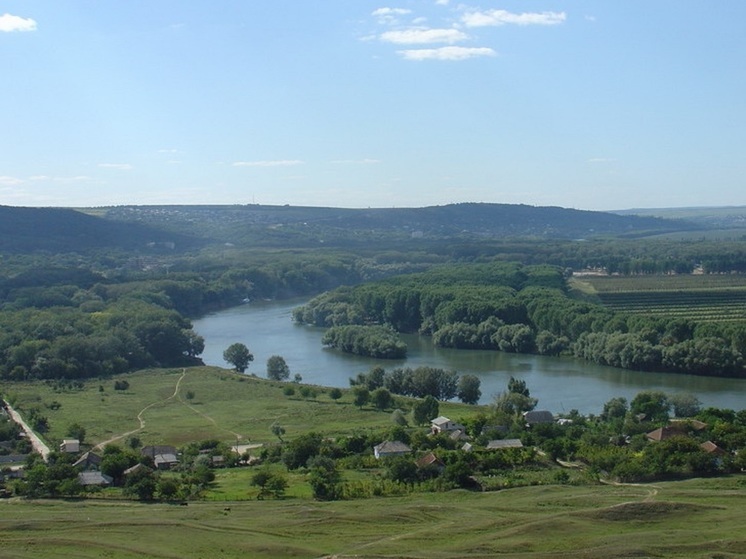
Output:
x=490 y=448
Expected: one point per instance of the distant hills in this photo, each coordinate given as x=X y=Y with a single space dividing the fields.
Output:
x=268 y=224
x=67 y=230
x=187 y=227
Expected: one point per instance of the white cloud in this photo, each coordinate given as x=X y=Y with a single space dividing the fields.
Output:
x=385 y=12
x=276 y=163
x=118 y=166
x=441 y=2
x=389 y=16
x=491 y=18
x=423 y=36
x=447 y=53
x=10 y=23
x=10 y=181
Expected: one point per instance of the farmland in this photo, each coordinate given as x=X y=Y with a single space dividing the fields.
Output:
x=706 y=298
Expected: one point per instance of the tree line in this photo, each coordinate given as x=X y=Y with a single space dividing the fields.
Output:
x=526 y=309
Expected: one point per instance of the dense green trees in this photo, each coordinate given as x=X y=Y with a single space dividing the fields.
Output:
x=369 y=341
x=420 y=382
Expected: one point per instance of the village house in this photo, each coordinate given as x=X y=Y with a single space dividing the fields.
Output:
x=431 y=462
x=89 y=461
x=711 y=448
x=663 y=433
x=391 y=448
x=70 y=446
x=504 y=443
x=444 y=425
x=538 y=416
x=164 y=457
x=94 y=479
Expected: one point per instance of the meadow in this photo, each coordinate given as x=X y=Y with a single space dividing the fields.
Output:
x=224 y=405
x=706 y=298
x=699 y=518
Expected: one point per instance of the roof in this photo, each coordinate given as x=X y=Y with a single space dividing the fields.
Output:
x=504 y=443
x=429 y=460
x=392 y=447
x=712 y=448
x=136 y=468
x=694 y=424
x=154 y=450
x=663 y=433
x=538 y=416
x=458 y=435
x=163 y=459
x=94 y=478
x=443 y=424
x=88 y=459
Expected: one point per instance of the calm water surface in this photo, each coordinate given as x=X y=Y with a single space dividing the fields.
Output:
x=560 y=384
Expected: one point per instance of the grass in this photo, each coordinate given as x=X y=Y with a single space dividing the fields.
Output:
x=226 y=406
x=700 y=518
x=694 y=519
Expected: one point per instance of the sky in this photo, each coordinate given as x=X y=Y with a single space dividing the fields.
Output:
x=596 y=105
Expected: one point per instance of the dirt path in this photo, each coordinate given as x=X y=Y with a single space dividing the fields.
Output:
x=651 y=490
x=208 y=418
x=140 y=418
x=36 y=442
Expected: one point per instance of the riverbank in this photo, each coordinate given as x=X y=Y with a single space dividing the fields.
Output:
x=561 y=384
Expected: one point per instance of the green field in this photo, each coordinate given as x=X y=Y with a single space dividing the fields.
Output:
x=709 y=298
x=692 y=519
x=226 y=406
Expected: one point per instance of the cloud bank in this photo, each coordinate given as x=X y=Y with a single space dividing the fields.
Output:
x=10 y=23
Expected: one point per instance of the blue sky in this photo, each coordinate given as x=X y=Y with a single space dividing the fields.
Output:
x=584 y=104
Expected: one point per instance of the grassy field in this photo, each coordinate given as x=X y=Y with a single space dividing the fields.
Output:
x=226 y=406
x=692 y=519
x=701 y=518
x=698 y=297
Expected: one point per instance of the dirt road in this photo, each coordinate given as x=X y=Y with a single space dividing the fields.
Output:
x=37 y=444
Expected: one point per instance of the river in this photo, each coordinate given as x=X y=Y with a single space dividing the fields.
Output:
x=560 y=383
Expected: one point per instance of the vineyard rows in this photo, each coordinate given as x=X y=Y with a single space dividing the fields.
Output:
x=700 y=298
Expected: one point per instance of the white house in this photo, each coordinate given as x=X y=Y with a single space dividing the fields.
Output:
x=444 y=425
x=71 y=446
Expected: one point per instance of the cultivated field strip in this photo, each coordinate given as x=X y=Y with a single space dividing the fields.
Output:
x=694 y=297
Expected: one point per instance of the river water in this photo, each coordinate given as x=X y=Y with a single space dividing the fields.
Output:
x=560 y=383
